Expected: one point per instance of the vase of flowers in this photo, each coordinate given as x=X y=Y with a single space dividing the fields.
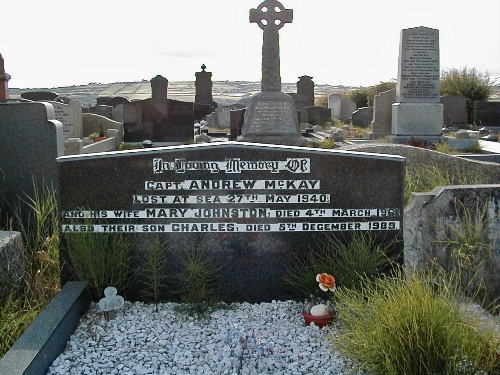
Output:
x=319 y=311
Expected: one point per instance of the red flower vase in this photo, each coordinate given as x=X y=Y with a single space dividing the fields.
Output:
x=319 y=320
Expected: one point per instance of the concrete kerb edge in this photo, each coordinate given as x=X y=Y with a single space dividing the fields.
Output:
x=47 y=335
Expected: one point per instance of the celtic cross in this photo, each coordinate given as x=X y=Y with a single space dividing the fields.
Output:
x=271 y=16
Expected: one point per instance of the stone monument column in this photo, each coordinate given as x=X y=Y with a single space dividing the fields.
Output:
x=271 y=116
x=4 y=79
x=418 y=112
x=203 y=85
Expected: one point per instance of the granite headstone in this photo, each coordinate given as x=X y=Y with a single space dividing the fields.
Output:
x=252 y=206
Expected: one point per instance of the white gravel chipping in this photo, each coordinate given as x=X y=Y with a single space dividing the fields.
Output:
x=266 y=338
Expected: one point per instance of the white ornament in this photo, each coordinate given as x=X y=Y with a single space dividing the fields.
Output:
x=111 y=301
x=320 y=310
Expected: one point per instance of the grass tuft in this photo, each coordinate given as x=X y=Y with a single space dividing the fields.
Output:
x=395 y=325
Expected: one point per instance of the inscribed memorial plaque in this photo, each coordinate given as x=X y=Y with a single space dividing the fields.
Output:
x=418 y=73
x=252 y=206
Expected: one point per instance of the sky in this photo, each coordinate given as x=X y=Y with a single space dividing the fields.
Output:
x=55 y=43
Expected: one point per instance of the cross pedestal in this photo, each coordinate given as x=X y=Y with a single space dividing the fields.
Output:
x=271 y=116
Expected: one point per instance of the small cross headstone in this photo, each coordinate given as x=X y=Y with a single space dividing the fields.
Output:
x=111 y=302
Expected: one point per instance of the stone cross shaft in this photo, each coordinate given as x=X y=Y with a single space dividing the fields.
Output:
x=271 y=16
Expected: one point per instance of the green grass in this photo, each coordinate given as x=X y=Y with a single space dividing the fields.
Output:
x=395 y=325
x=15 y=316
x=444 y=147
x=102 y=260
x=327 y=143
x=424 y=178
x=36 y=218
x=470 y=252
x=348 y=261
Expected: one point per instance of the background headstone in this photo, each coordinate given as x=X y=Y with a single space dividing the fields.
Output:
x=300 y=106
x=237 y=117
x=486 y=113
x=31 y=140
x=318 y=115
x=347 y=107
x=102 y=110
x=334 y=103
x=39 y=96
x=4 y=81
x=382 y=114
x=70 y=116
x=362 y=117
x=418 y=111
x=159 y=87
x=455 y=109
x=203 y=86
x=305 y=87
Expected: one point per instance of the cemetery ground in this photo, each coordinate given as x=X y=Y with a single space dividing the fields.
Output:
x=440 y=335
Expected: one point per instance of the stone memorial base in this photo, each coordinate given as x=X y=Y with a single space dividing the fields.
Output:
x=417 y=119
x=272 y=118
x=417 y=140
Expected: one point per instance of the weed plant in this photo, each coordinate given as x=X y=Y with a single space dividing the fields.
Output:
x=472 y=255
x=474 y=149
x=444 y=147
x=395 y=325
x=102 y=260
x=154 y=273
x=36 y=218
x=347 y=260
x=327 y=143
x=424 y=178
x=196 y=281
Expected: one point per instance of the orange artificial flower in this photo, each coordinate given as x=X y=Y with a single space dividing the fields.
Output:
x=326 y=282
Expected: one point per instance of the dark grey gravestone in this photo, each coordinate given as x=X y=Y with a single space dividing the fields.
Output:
x=271 y=116
x=46 y=337
x=455 y=109
x=486 y=113
x=252 y=207
x=201 y=111
x=300 y=106
x=159 y=120
x=180 y=120
x=30 y=141
x=102 y=110
x=159 y=87
x=305 y=86
x=117 y=100
x=236 y=118
x=39 y=96
x=318 y=115
x=362 y=117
